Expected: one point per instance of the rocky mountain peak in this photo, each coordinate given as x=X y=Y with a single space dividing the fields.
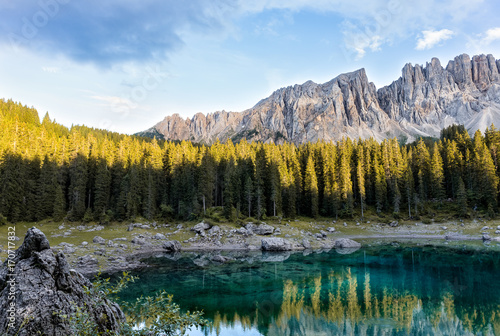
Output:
x=420 y=103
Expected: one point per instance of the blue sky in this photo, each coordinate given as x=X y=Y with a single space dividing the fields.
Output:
x=124 y=65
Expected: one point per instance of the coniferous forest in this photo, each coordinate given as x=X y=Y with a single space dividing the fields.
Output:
x=48 y=171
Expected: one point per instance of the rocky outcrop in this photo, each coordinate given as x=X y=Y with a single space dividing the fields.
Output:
x=420 y=103
x=44 y=290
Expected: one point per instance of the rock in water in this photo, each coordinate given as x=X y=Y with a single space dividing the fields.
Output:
x=276 y=244
x=45 y=289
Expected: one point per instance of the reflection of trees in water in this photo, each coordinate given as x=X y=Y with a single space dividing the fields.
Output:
x=341 y=306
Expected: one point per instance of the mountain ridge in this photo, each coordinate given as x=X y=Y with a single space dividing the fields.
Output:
x=422 y=101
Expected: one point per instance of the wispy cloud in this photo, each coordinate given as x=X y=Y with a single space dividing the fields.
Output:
x=491 y=35
x=431 y=38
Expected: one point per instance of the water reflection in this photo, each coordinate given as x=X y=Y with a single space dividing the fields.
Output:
x=383 y=291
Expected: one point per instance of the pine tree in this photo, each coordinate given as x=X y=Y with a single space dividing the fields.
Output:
x=46 y=186
x=437 y=174
x=361 y=178
x=102 y=191
x=461 y=198
x=78 y=186
x=59 y=211
x=311 y=187
x=380 y=185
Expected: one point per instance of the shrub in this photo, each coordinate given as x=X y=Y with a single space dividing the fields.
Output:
x=161 y=315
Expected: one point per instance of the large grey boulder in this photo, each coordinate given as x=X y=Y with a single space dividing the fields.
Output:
x=276 y=244
x=201 y=227
x=172 y=246
x=44 y=290
x=262 y=229
x=346 y=246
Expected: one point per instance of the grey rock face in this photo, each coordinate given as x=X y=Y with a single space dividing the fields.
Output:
x=276 y=244
x=172 y=246
x=420 y=103
x=44 y=288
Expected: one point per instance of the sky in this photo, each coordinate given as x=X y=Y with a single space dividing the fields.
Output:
x=124 y=65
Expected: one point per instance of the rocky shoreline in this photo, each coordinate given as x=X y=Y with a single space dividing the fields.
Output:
x=95 y=248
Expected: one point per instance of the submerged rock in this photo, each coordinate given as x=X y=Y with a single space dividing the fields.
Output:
x=44 y=290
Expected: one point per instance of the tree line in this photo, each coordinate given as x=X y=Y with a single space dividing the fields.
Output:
x=48 y=171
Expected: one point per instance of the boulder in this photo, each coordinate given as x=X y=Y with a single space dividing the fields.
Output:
x=45 y=289
x=346 y=243
x=201 y=227
x=276 y=244
x=263 y=229
x=331 y=229
x=99 y=240
x=394 y=224
x=486 y=237
x=250 y=227
x=214 y=230
x=242 y=231
x=159 y=236
x=496 y=239
x=138 y=241
x=172 y=246
x=306 y=244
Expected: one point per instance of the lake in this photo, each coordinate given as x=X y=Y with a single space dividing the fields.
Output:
x=381 y=290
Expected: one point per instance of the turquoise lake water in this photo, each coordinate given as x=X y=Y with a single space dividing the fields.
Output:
x=383 y=290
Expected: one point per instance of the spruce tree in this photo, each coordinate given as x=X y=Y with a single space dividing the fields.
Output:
x=311 y=187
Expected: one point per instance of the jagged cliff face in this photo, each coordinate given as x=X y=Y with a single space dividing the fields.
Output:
x=420 y=103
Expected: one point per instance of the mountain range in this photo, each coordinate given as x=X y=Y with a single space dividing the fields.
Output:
x=421 y=102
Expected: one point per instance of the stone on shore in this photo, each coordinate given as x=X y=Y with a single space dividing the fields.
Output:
x=201 y=227
x=276 y=244
x=99 y=240
x=346 y=243
x=262 y=230
x=172 y=246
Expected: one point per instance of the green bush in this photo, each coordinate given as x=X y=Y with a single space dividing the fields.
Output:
x=161 y=315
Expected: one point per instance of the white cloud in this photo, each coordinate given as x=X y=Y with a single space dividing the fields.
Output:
x=52 y=70
x=491 y=35
x=369 y=25
x=433 y=37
